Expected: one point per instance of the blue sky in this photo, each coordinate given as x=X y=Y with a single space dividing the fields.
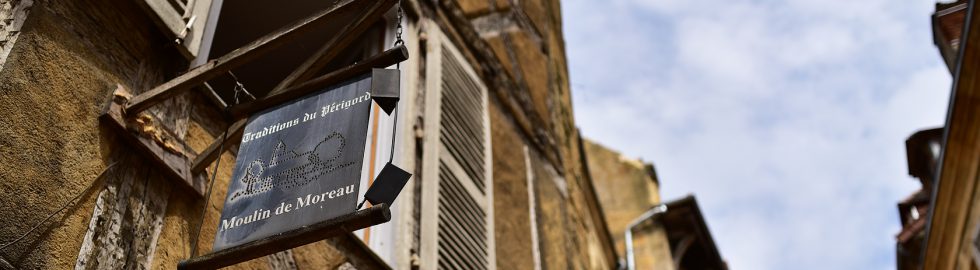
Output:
x=787 y=119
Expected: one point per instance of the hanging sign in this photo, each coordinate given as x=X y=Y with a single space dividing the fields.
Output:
x=298 y=164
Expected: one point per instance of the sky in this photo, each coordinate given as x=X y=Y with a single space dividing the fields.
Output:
x=786 y=119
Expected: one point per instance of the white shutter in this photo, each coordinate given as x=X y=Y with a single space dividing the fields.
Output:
x=182 y=20
x=457 y=195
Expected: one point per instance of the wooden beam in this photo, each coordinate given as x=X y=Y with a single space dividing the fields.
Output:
x=331 y=49
x=351 y=222
x=211 y=153
x=358 y=253
x=385 y=59
x=171 y=160
x=334 y=46
x=242 y=55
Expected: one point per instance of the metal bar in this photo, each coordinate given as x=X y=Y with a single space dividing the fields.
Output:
x=334 y=46
x=214 y=97
x=211 y=153
x=240 y=56
x=385 y=59
x=351 y=222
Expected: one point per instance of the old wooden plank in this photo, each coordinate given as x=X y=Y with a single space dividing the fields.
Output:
x=174 y=165
x=359 y=255
x=282 y=260
x=203 y=160
x=354 y=221
x=334 y=46
x=242 y=55
x=126 y=221
x=148 y=207
x=385 y=59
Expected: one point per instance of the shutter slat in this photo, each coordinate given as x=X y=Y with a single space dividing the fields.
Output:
x=472 y=223
x=465 y=245
x=456 y=159
x=470 y=210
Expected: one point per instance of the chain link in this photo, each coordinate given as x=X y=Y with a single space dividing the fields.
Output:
x=239 y=88
x=398 y=28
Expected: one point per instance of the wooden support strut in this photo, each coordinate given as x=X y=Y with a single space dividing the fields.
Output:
x=385 y=59
x=151 y=141
x=333 y=47
x=351 y=222
x=242 y=55
x=210 y=154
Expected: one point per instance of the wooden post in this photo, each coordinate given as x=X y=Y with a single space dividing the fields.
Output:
x=351 y=222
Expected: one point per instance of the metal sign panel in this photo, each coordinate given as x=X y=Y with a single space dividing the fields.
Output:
x=298 y=164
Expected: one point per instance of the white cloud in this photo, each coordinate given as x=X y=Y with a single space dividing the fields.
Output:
x=786 y=119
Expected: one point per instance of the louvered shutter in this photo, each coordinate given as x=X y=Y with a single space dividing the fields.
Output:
x=457 y=195
x=182 y=20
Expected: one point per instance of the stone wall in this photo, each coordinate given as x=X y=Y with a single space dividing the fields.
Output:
x=626 y=188
x=68 y=57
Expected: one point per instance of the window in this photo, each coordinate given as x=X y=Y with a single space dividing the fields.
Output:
x=457 y=198
x=183 y=20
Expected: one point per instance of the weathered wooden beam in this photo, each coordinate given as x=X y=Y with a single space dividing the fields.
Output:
x=334 y=46
x=169 y=156
x=331 y=49
x=385 y=59
x=351 y=222
x=242 y=55
x=358 y=253
x=204 y=159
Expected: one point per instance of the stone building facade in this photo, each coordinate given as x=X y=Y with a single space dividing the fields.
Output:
x=485 y=90
x=663 y=235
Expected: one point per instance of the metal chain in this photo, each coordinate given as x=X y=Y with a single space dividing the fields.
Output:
x=398 y=27
x=398 y=31
x=239 y=88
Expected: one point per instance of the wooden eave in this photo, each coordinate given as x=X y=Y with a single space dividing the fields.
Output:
x=952 y=201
